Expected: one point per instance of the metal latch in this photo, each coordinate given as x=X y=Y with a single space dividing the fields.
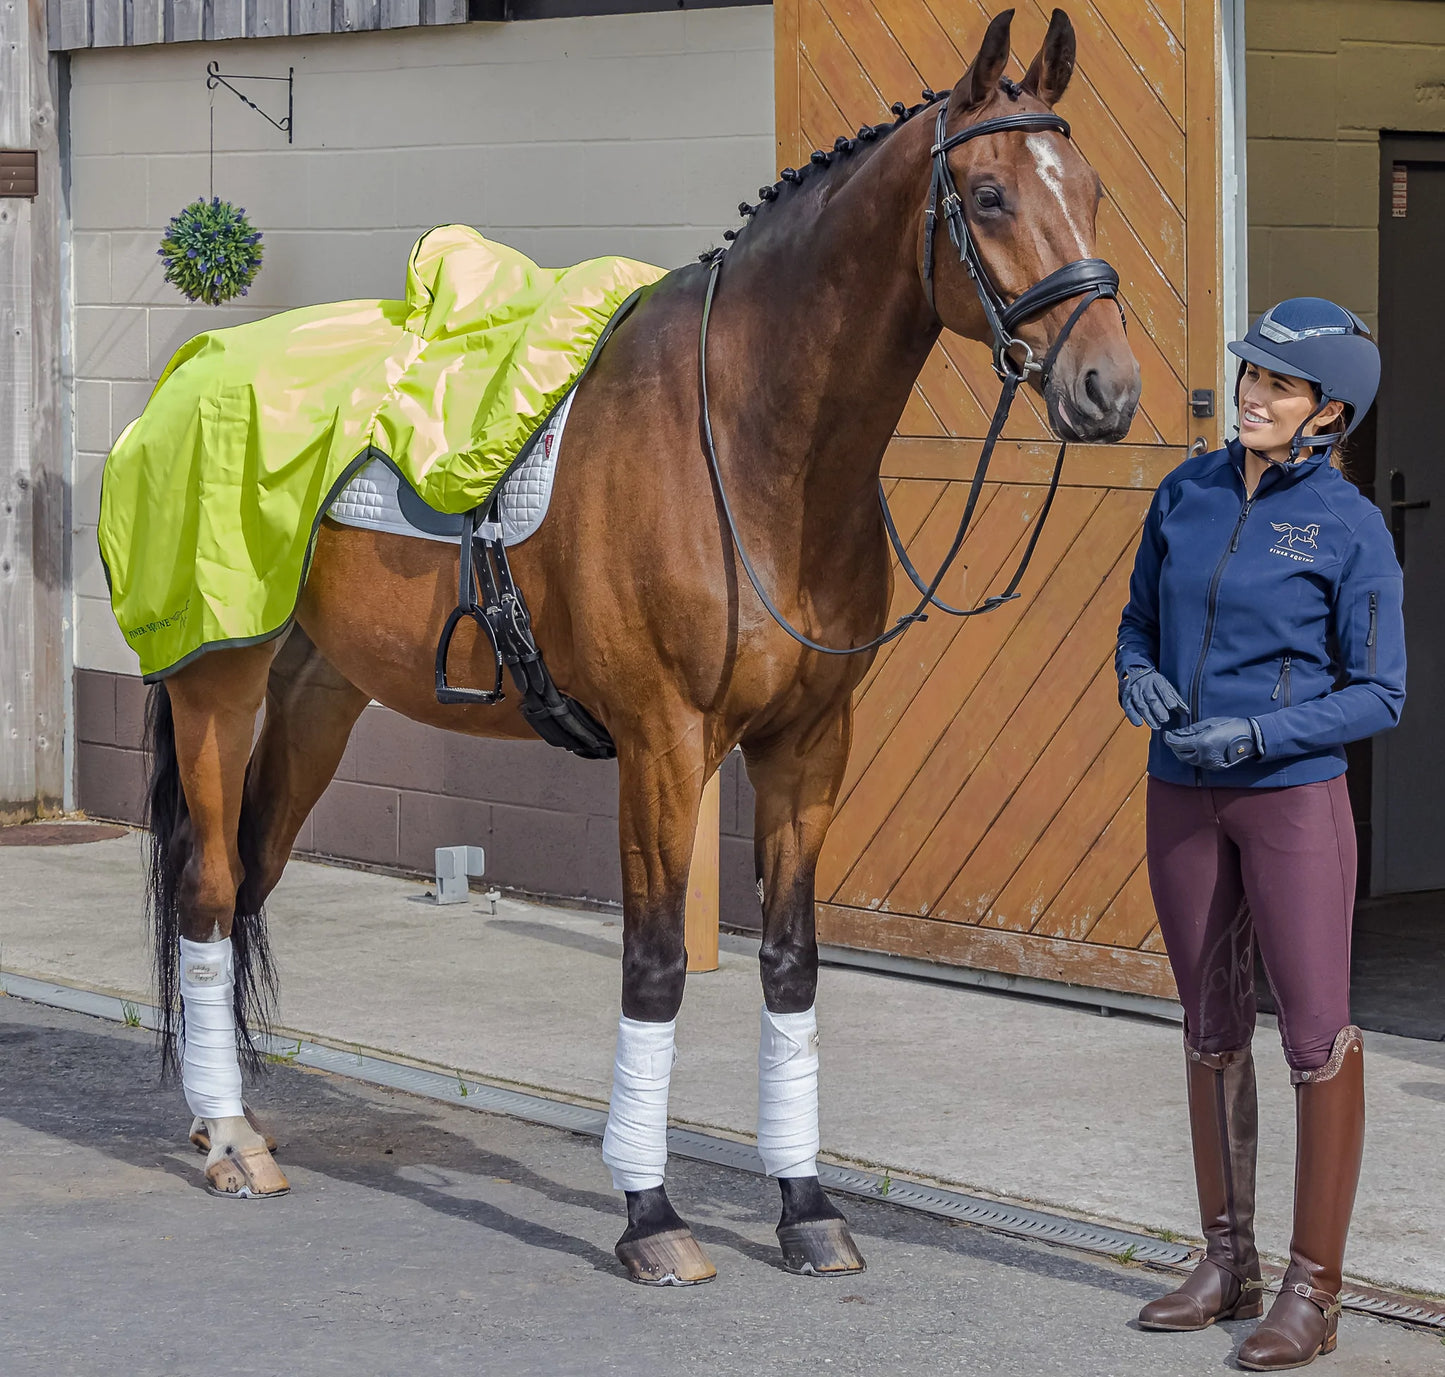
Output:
x=1201 y=401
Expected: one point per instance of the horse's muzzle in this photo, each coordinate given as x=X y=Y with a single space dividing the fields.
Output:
x=1094 y=405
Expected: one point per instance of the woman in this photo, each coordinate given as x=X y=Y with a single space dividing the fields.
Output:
x=1263 y=632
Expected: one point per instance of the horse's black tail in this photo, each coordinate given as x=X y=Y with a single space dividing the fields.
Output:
x=169 y=821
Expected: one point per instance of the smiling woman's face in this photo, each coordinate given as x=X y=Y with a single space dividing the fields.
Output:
x=1273 y=405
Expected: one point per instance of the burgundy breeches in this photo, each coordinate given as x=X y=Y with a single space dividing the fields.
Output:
x=1227 y=865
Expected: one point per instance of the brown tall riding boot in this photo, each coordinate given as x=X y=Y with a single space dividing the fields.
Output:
x=1224 y=1126
x=1329 y=1142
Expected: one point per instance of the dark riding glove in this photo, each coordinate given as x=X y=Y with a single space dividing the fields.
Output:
x=1217 y=742
x=1147 y=696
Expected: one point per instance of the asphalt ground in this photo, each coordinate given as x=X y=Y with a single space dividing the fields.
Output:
x=422 y=1238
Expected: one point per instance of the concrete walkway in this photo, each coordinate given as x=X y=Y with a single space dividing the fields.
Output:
x=992 y=1093
x=422 y=1238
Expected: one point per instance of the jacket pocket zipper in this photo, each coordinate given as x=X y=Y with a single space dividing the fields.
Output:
x=1282 y=683
x=1370 y=639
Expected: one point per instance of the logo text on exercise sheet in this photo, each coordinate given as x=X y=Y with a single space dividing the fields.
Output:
x=1295 y=542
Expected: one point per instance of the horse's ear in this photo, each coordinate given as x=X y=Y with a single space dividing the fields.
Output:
x=1049 y=72
x=982 y=78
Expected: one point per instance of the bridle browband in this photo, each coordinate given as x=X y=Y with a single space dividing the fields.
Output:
x=1088 y=278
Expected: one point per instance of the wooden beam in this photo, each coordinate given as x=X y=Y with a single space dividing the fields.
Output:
x=962 y=944
x=1203 y=202
x=32 y=492
x=702 y=882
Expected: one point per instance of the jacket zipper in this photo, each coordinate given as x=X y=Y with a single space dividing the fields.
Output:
x=1370 y=639
x=1282 y=682
x=1209 y=615
x=1212 y=607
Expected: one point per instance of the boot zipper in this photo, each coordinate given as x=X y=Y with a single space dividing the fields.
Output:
x=1370 y=639
x=1282 y=682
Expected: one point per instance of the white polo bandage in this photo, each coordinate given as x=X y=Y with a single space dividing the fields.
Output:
x=635 y=1143
x=210 y=1068
x=788 y=1093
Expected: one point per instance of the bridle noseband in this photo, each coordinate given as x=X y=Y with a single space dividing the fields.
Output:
x=1089 y=279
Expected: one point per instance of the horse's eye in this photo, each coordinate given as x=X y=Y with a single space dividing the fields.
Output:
x=988 y=198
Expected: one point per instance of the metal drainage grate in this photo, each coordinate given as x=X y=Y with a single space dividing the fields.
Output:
x=1004 y=1217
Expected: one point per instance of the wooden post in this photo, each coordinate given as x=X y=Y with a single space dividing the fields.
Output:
x=32 y=489
x=702 y=903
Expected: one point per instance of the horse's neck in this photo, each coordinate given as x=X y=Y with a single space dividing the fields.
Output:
x=839 y=327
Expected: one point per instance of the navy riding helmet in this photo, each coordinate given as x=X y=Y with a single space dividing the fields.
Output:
x=1325 y=344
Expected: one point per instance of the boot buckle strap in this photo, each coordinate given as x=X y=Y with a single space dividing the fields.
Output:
x=1331 y=1305
x=1257 y=1284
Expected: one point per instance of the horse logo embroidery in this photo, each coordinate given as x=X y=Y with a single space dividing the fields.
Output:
x=1294 y=539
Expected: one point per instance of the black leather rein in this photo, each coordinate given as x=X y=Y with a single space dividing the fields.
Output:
x=1087 y=278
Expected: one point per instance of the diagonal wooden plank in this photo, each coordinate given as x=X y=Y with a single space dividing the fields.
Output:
x=892 y=74
x=1170 y=11
x=1154 y=941
x=1138 y=105
x=1073 y=831
x=1015 y=725
x=836 y=66
x=1148 y=294
x=1069 y=760
x=1150 y=45
x=940 y=736
x=1127 y=921
x=1100 y=876
x=926 y=715
x=951 y=397
x=788 y=65
x=918 y=417
x=997 y=537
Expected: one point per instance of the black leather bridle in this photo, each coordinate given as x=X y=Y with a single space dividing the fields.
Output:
x=1089 y=279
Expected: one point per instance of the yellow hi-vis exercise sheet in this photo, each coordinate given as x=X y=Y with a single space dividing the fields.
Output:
x=211 y=498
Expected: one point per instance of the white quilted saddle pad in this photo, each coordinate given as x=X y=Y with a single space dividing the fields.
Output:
x=372 y=501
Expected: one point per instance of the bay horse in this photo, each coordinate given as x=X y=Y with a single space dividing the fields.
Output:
x=827 y=305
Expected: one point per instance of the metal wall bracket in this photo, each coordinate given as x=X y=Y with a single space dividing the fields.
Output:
x=215 y=77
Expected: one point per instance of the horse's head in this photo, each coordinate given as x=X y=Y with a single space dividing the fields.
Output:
x=1029 y=200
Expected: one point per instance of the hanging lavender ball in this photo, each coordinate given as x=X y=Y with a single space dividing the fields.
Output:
x=211 y=251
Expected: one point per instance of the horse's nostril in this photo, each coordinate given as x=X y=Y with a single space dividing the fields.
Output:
x=1094 y=390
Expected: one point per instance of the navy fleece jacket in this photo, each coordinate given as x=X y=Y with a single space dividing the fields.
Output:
x=1284 y=607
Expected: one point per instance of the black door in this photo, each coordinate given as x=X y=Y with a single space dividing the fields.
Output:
x=1409 y=762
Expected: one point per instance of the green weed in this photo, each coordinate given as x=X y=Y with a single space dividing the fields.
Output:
x=1127 y=1256
x=130 y=1014
x=886 y=1184
x=286 y=1057
x=461 y=1086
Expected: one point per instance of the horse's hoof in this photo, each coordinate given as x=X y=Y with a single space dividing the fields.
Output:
x=820 y=1248
x=201 y=1135
x=246 y=1174
x=672 y=1258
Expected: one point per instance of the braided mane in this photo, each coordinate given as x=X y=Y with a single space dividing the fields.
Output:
x=821 y=161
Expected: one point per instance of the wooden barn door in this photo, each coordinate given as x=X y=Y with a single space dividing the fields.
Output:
x=993 y=810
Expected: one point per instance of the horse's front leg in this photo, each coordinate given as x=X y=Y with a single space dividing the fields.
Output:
x=657 y=815
x=797 y=780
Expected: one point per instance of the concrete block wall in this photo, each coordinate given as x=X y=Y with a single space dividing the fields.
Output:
x=635 y=134
x=1323 y=78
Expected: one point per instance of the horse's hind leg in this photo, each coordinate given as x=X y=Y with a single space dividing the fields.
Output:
x=310 y=711
x=201 y=734
x=796 y=778
x=657 y=814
